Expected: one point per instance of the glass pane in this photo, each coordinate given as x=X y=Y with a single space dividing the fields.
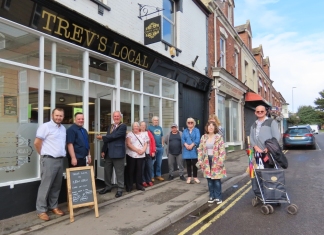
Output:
x=228 y=121
x=151 y=108
x=18 y=45
x=221 y=112
x=18 y=123
x=167 y=115
x=102 y=70
x=168 y=89
x=235 y=121
x=151 y=84
x=130 y=107
x=168 y=32
x=126 y=75
x=168 y=9
x=68 y=60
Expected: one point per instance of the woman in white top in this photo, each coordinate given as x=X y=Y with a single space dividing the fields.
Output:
x=135 y=154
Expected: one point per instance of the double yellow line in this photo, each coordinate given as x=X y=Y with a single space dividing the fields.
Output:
x=205 y=226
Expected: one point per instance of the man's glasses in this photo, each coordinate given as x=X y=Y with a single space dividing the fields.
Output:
x=189 y=122
x=259 y=111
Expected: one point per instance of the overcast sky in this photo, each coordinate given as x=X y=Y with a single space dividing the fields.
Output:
x=292 y=35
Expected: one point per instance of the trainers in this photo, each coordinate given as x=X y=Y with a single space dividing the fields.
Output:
x=182 y=178
x=211 y=200
x=218 y=201
x=171 y=177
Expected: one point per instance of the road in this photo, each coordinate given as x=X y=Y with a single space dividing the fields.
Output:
x=304 y=183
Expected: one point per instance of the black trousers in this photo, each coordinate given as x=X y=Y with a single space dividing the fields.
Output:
x=80 y=162
x=191 y=167
x=134 y=168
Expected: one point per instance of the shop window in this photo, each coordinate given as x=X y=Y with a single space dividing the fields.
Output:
x=150 y=108
x=18 y=45
x=66 y=57
x=168 y=113
x=61 y=82
x=151 y=84
x=169 y=25
x=168 y=89
x=102 y=70
x=18 y=124
x=130 y=107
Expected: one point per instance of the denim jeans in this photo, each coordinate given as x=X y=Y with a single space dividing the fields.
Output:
x=215 y=188
x=147 y=169
x=158 y=160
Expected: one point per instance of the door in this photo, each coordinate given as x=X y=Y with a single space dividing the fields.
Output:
x=103 y=117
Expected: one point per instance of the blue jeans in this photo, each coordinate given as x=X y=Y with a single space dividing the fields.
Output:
x=147 y=169
x=158 y=160
x=215 y=188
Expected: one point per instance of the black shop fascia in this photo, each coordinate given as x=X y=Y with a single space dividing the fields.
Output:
x=58 y=21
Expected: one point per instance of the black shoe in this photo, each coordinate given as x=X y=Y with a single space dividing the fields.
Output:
x=105 y=190
x=182 y=178
x=119 y=194
x=171 y=177
x=142 y=189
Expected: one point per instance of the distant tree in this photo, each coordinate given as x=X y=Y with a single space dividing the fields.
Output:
x=308 y=115
x=320 y=101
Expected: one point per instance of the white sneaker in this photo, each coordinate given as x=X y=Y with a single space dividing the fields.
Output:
x=211 y=200
x=218 y=201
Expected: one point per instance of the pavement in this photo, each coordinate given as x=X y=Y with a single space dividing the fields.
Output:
x=137 y=212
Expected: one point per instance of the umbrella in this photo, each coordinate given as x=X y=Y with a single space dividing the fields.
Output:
x=250 y=154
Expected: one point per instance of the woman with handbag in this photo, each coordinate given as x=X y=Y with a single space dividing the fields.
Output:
x=149 y=155
x=135 y=154
x=211 y=157
x=190 y=140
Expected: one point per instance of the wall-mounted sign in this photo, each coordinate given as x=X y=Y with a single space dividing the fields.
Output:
x=231 y=90
x=152 y=30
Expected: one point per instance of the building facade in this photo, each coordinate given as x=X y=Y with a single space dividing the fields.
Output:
x=52 y=54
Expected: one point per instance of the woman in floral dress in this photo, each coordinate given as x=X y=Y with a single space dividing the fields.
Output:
x=211 y=157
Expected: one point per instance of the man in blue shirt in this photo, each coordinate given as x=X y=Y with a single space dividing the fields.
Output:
x=78 y=143
x=157 y=132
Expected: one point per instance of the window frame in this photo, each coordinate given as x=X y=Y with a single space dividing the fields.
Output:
x=173 y=24
x=222 y=52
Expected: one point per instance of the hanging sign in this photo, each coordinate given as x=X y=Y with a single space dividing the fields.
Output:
x=152 y=30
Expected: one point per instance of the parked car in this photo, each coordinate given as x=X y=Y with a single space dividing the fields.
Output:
x=299 y=136
x=314 y=128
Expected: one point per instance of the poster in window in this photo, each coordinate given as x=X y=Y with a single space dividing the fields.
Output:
x=10 y=105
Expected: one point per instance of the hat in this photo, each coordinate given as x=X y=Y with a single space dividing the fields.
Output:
x=174 y=125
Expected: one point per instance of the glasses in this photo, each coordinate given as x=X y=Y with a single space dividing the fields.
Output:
x=189 y=122
x=260 y=111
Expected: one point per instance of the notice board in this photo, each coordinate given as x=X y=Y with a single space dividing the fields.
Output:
x=81 y=189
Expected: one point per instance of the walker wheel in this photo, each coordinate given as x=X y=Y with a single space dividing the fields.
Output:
x=255 y=202
x=292 y=209
x=265 y=210
x=271 y=210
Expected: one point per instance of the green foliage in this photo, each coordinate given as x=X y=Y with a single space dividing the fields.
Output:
x=307 y=115
x=320 y=101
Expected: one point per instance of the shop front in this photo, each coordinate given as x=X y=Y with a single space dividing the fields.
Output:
x=229 y=105
x=52 y=57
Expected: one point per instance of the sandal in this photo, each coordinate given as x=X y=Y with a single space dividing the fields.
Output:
x=197 y=181
x=188 y=180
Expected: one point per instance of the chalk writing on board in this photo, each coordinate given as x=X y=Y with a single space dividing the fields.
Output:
x=81 y=187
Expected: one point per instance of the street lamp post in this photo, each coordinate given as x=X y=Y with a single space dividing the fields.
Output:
x=292 y=98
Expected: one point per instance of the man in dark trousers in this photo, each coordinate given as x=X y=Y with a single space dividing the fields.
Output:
x=50 y=145
x=114 y=152
x=77 y=141
x=262 y=129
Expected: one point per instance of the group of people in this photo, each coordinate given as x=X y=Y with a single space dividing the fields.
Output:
x=143 y=146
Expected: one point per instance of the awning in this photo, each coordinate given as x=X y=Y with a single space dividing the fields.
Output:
x=256 y=99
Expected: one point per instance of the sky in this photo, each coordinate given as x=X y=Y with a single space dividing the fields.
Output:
x=291 y=33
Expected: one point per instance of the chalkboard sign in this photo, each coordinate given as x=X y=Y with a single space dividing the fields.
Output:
x=81 y=186
x=81 y=189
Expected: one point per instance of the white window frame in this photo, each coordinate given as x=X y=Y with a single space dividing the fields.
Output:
x=222 y=52
x=172 y=22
